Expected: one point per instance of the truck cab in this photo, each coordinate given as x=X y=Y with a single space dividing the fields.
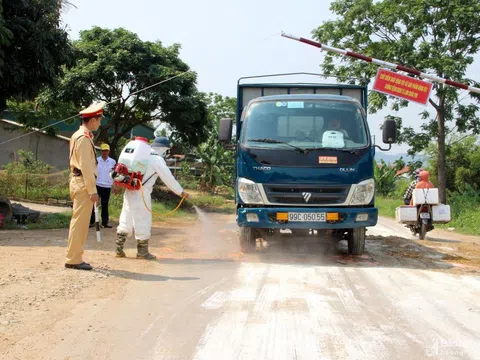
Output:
x=304 y=160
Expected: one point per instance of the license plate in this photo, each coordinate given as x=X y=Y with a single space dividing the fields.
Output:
x=307 y=217
x=424 y=216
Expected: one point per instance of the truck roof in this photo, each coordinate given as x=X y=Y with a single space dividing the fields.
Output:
x=306 y=97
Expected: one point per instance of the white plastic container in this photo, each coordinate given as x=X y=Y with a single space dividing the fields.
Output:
x=406 y=213
x=333 y=139
x=135 y=155
x=425 y=196
x=441 y=213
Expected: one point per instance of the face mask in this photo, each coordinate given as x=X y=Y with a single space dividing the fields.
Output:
x=161 y=151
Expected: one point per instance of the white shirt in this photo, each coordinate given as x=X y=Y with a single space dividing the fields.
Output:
x=104 y=167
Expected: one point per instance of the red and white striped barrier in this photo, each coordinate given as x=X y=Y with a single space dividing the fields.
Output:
x=384 y=63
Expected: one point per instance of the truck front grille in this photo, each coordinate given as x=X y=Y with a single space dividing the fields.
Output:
x=306 y=194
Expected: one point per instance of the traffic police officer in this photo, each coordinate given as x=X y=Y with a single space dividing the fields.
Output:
x=83 y=190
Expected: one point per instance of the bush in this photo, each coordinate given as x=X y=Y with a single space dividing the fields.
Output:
x=29 y=178
x=401 y=186
x=464 y=207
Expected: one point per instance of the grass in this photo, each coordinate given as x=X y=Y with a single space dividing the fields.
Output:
x=386 y=206
x=211 y=203
x=189 y=184
x=465 y=213
x=214 y=203
x=466 y=222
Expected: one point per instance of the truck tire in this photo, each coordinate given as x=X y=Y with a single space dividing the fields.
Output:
x=356 y=241
x=248 y=239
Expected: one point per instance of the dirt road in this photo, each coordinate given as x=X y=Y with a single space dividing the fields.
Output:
x=294 y=298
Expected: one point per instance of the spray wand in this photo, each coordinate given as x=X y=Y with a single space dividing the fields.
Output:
x=168 y=213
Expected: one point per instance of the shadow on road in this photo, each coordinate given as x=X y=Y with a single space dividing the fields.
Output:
x=322 y=250
x=59 y=237
x=143 y=277
x=432 y=239
x=215 y=241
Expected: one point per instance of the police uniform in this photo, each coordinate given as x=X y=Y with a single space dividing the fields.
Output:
x=83 y=166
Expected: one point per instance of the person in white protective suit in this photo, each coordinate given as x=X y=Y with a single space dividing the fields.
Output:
x=135 y=216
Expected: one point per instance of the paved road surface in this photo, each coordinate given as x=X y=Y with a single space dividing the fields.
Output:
x=292 y=299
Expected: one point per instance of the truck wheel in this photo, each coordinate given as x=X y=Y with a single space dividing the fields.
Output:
x=248 y=239
x=356 y=241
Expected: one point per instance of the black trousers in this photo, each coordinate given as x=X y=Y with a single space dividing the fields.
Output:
x=104 y=194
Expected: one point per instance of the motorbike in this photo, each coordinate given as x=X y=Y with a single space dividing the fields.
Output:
x=424 y=221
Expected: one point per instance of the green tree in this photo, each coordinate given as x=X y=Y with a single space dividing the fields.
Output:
x=463 y=162
x=220 y=107
x=217 y=163
x=434 y=36
x=33 y=116
x=33 y=47
x=113 y=66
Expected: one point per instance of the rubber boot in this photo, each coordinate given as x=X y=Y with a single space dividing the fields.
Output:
x=142 y=250
x=121 y=238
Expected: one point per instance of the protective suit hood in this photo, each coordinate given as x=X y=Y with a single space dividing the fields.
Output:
x=161 y=145
x=424 y=175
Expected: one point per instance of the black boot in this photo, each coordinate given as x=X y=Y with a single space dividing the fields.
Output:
x=142 y=250
x=121 y=238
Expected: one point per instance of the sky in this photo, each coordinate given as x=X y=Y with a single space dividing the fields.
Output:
x=223 y=40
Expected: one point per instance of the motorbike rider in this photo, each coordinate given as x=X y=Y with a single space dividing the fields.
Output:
x=408 y=194
x=423 y=182
x=135 y=215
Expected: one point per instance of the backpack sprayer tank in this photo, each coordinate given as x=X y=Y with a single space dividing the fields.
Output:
x=132 y=164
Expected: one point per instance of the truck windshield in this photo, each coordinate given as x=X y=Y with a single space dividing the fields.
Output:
x=309 y=124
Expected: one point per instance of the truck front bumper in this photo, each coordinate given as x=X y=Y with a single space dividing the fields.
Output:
x=346 y=218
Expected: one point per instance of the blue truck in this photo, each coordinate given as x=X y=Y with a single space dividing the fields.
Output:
x=304 y=160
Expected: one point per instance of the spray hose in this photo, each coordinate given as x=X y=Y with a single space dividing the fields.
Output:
x=154 y=213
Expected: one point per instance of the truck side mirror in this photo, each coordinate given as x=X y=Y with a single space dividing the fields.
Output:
x=225 y=130
x=389 y=133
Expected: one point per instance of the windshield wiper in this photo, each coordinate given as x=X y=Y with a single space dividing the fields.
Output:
x=351 y=151
x=273 y=141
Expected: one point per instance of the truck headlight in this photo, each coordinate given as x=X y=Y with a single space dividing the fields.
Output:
x=363 y=192
x=249 y=192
